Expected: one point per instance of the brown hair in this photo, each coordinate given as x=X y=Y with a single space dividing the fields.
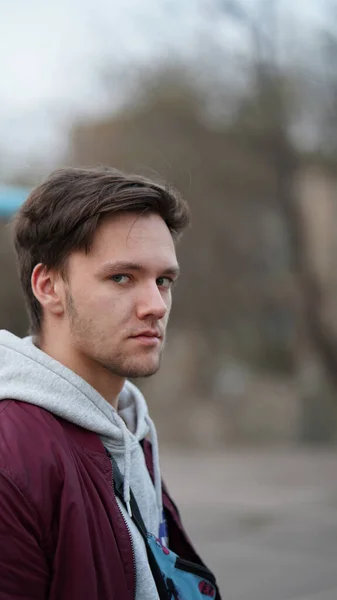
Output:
x=63 y=213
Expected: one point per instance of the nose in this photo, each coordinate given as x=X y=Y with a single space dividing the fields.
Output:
x=151 y=303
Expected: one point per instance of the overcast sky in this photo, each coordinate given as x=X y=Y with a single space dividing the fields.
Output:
x=53 y=57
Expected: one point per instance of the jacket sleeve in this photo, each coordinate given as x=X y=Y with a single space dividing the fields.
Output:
x=24 y=573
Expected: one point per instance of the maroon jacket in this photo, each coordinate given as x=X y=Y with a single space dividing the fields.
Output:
x=62 y=536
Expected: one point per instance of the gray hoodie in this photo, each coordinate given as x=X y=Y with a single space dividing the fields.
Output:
x=29 y=375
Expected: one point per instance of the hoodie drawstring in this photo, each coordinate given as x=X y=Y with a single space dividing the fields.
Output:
x=127 y=466
x=156 y=466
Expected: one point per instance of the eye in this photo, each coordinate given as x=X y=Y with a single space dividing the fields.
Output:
x=120 y=278
x=165 y=282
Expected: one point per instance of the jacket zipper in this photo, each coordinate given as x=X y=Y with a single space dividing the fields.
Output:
x=128 y=530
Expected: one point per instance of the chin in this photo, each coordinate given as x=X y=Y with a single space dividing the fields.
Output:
x=134 y=371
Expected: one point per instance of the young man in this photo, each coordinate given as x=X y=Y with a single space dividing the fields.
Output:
x=97 y=262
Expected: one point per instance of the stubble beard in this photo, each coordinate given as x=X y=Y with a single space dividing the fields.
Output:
x=85 y=339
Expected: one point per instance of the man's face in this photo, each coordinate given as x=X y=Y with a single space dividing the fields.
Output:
x=118 y=296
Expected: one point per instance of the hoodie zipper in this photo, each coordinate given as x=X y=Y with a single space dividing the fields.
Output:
x=127 y=527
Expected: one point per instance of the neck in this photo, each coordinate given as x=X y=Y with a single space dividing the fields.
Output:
x=103 y=381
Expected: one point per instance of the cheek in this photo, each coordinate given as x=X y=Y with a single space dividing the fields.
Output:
x=94 y=295
x=107 y=306
x=168 y=302
x=89 y=306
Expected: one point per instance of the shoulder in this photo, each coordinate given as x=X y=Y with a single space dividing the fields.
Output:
x=25 y=428
x=31 y=446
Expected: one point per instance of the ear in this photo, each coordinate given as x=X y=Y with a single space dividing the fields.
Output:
x=47 y=289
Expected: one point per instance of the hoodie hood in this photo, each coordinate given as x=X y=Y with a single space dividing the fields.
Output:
x=29 y=375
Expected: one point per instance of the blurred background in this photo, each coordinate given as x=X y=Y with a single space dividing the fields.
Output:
x=235 y=103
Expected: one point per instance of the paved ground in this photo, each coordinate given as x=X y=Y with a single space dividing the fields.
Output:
x=265 y=522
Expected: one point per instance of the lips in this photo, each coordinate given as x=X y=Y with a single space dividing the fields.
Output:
x=148 y=333
x=151 y=338
x=148 y=339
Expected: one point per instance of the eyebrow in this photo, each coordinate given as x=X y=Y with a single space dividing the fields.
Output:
x=110 y=267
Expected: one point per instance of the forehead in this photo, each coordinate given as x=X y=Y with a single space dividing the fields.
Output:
x=132 y=236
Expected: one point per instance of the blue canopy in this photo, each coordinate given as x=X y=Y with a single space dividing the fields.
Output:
x=11 y=198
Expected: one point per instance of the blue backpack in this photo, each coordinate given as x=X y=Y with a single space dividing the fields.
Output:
x=175 y=577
